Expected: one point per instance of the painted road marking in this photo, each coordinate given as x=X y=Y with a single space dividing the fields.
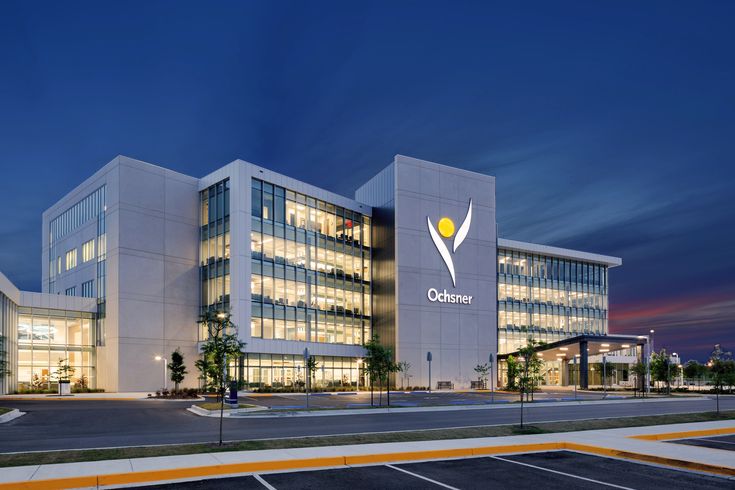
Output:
x=560 y=473
x=264 y=483
x=416 y=475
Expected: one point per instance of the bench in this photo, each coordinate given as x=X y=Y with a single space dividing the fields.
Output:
x=444 y=385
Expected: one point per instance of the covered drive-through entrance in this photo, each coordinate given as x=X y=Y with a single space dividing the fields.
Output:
x=580 y=360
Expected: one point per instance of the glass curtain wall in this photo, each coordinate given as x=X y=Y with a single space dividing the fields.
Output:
x=279 y=371
x=47 y=336
x=310 y=268
x=548 y=298
x=214 y=251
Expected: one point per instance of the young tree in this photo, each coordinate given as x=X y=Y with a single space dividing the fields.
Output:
x=530 y=369
x=379 y=365
x=63 y=371
x=513 y=372
x=640 y=369
x=177 y=368
x=692 y=370
x=483 y=371
x=403 y=368
x=531 y=365
x=720 y=367
x=311 y=367
x=662 y=369
x=222 y=345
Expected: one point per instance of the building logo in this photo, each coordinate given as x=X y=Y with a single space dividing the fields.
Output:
x=446 y=230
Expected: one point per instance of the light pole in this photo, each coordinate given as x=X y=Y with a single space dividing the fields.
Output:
x=165 y=361
x=428 y=359
x=604 y=375
x=652 y=349
x=307 y=368
x=359 y=363
x=492 y=379
x=575 y=374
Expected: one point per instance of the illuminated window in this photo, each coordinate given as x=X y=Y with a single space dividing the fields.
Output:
x=71 y=259
x=88 y=251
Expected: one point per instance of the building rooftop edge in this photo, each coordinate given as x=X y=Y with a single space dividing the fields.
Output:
x=564 y=253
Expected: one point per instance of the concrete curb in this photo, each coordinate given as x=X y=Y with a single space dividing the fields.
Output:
x=11 y=415
x=169 y=475
x=274 y=413
x=686 y=434
x=203 y=412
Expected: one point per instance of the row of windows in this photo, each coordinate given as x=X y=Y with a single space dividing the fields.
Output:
x=77 y=215
x=306 y=324
x=215 y=203
x=214 y=249
x=555 y=269
x=582 y=321
x=549 y=296
x=41 y=329
x=340 y=262
x=323 y=294
x=279 y=205
x=70 y=258
x=277 y=371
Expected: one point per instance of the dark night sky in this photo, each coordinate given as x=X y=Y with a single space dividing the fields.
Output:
x=610 y=127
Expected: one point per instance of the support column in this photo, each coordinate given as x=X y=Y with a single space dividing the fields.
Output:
x=583 y=366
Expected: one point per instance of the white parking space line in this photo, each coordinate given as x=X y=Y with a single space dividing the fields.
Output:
x=560 y=473
x=264 y=483
x=416 y=475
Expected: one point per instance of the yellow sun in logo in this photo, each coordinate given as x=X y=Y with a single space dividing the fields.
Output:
x=446 y=227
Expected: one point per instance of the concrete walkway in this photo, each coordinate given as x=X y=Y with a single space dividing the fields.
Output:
x=636 y=443
x=275 y=412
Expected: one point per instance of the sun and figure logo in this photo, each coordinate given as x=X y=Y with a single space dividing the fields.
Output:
x=446 y=231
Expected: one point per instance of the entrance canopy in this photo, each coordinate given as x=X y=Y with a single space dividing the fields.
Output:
x=567 y=349
x=583 y=346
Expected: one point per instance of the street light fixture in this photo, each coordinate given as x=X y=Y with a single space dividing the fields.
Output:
x=359 y=363
x=165 y=363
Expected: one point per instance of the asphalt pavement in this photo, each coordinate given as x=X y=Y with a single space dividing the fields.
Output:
x=726 y=443
x=76 y=424
x=562 y=470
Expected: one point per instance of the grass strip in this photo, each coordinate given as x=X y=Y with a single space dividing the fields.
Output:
x=216 y=406
x=4 y=410
x=75 y=456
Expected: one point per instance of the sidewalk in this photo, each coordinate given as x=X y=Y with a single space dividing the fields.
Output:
x=275 y=412
x=619 y=443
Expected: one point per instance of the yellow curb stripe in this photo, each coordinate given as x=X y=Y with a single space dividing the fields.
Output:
x=53 y=484
x=334 y=461
x=685 y=434
x=649 y=458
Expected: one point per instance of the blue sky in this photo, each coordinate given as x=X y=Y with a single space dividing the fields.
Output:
x=609 y=126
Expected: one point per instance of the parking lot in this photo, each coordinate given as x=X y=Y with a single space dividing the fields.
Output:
x=549 y=470
x=726 y=443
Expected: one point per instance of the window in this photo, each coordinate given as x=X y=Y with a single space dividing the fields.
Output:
x=88 y=250
x=72 y=291
x=88 y=289
x=58 y=265
x=71 y=259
